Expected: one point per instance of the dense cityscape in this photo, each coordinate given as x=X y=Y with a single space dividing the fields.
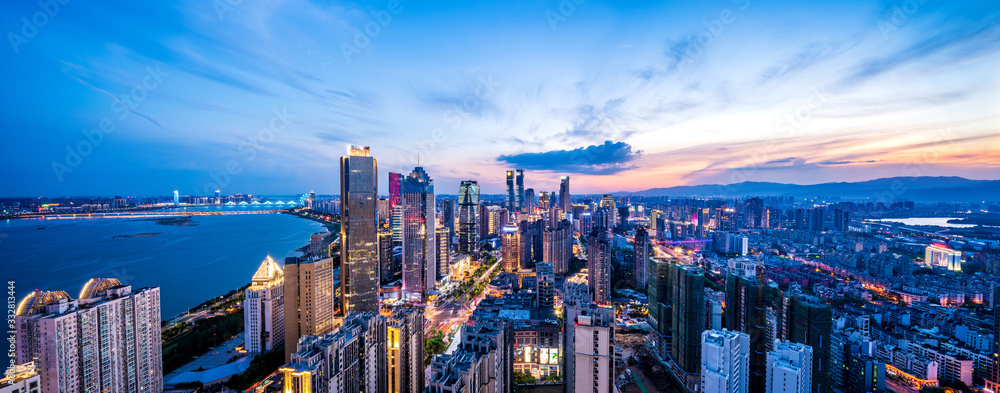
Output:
x=416 y=291
x=545 y=196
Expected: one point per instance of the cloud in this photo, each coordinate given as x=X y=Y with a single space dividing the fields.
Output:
x=606 y=159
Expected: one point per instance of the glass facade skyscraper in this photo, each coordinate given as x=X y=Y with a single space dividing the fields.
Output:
x=468 y=218
x=359 y=262
x=419 y=237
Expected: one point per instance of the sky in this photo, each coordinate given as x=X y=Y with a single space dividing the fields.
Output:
x=264 y=97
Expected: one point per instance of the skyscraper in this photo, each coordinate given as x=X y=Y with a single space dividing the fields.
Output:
x=545 y=281
x=448 y=214
x=511 y=248
x=557 y=245
x=789 y=368
x=565 y=201
x=529 y=200
x=386 y=262
x=590 y=348
x=725 y=358
x=443 y=256
x=995 y=378
x=608 y=204
x=746 y=313
x=543 y=200
x=810 y=322
x=419 y=235
x=308 y=299
x=359 y=264
x=396 y=208
x=108 y=340
x=640 y=266
x=515 y=190
x=405 y=350
x=352 y=358
x=687 y=296
x=264 y=310
x=468 y=218
x=599 y=265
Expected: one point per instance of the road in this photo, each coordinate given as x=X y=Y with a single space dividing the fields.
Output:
x=456 y=310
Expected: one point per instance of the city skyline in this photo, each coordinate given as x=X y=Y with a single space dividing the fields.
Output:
x=238 y=99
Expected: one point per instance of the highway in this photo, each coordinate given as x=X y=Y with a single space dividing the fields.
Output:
x=150 y=214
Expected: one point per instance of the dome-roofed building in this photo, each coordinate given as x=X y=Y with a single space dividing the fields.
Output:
x=97 y=287
x=37 y=300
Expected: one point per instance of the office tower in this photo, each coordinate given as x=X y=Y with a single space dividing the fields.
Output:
x=468 y=218
x=687 y=297
x=405 y=350
x=809 y=322
x=384 y=212
x=448 y=214
x=789 y=368
x=108 y=340
x=481 y=363
x=816 y=219
x=519 y=191
x=755 y=213
x=511 y=201
x=602 y=218
x=498 y=218
x=529 y=200
x=545 y=281
x=531 y=235
x=599 y=265
x=586 y=222
x=801 y=219
x=484 y=221
x=511 y=248
x=640 y=251
x=865 y=374
x=443 y=256
x=264 y=309
x=557 y=244
x=590 y=348
x=565 y=200
x=772 y=218
x=396 y=208
x=419 y=236
x=177 y=198
x=359 y=268
x=611 y=211
x=350 y=359
x=745 y=312
x=308 y=299
x=725 y=361
x=387 y=271
x=316 y=244
x=543 y=200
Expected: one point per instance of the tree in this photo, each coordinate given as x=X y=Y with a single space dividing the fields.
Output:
x=523 y=378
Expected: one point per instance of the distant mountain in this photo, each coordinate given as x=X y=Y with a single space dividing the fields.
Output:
x=922 y=188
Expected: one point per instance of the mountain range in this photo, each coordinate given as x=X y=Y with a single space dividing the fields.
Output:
x=920 y=188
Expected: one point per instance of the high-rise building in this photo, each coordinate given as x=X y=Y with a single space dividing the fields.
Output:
x=590 y=348
x=21 y=378
x=359 y=264
x=481 y=363
x=545 y=281
x=865 y=374
x=544 y=201
x=640 y=252
x=745 y=312
x=108 y=340
x=531 y=228
x=687 y=297
x=772 y=218
x=565 y=200
x=994 y=378
x=515 y=190
x=841 y=219
x=511 y=249
x=789 y=368
x=557 y=245
x=387 y=267
x=308 y=299
x=725 y=361
x=468 y=218
x=817 y=218
x=396 y=208
x=405 y=350
x=529 y=200
x=660 y=317
x=448 y=214
x=599 y=265
x=755 y=213
x=808 y=321
x=419 y=236
x=352 y=358
x=264 y=309
x=611 y=212
x=443 y=256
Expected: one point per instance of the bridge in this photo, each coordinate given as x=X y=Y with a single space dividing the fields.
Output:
x=149 y=214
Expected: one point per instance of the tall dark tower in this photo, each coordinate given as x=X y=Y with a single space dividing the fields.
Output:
x=564 y=198
x=359 y=258
x=468 y=218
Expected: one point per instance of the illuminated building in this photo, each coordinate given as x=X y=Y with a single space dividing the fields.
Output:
x=389 y=270
x=396 y=208
x=482 y=362
x=359 y=268
x=599 y=265
x=405 y=350
x=515 y=190
x=725 y=361
x=590 y=348
x=308 y=299
x=443 y=252
x=789 y=368
x=865 y=374
x=511 y=249
x=529 y=200
x=107 y=340
x=545 y=282
x=565 y=200
x=942 y=256
x=538 y=348
x=263 y=311
x=21 y=378
x=640 y=252
x=468 y=218
x=557 y=246
x=352 y=358
x=608 y=204
x=316 y=244
x=543 y=200
x=419 y=235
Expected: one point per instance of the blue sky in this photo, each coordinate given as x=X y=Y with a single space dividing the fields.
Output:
x=264 y=97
